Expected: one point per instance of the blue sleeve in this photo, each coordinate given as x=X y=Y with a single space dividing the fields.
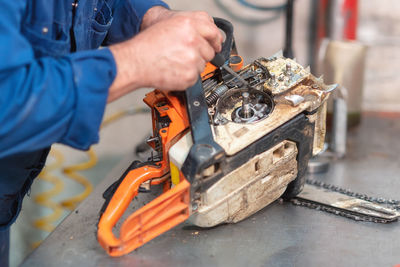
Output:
x=128 y=15
x=48 y=100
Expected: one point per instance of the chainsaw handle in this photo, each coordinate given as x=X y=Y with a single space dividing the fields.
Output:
x=124 y=194
x=204 y=151
x=161 y=214
x=227 y=45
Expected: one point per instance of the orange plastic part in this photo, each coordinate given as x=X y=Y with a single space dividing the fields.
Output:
x=164 y=212
x=236 y=62
x=209 y=71
x=155 y=218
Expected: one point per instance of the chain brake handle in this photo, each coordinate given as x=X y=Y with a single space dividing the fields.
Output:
x=205 y=152
x=221 y=57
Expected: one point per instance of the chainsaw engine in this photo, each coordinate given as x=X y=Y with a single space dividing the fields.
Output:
x=269 y=120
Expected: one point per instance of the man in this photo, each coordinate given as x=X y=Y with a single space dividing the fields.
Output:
x=55 y=82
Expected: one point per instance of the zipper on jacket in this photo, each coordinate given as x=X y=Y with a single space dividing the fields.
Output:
x=71 y=32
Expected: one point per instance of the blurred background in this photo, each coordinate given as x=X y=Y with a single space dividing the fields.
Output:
x=371 y=28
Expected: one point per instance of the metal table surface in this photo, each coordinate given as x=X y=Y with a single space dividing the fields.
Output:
x=279 y=235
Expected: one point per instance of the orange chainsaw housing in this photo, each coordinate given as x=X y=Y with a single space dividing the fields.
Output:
x=169 y=209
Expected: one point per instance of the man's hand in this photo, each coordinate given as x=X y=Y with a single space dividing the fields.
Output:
x=170 y=54
x=156 y=14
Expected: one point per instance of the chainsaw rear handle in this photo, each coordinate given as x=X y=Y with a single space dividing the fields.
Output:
x=125 y=192
x=227 y=45
x=161 y=214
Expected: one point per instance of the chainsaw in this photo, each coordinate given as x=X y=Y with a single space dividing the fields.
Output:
x=230 y=145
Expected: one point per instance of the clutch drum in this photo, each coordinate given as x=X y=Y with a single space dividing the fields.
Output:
x=244 y=106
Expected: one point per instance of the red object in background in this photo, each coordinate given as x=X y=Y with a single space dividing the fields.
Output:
x=350 y=14
x=348 y=10
x=321 y=26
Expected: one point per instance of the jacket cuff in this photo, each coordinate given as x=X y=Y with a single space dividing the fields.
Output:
x=94 y=71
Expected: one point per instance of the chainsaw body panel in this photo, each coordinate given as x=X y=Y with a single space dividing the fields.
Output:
x=249 y=188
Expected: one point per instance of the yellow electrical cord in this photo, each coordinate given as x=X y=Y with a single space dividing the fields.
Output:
x=71 y=173
x=44 y=199
x=45 y=223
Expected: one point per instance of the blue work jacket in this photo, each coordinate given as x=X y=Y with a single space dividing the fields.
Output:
x=54 y=81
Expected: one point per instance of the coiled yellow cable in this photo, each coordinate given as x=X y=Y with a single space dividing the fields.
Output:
x=45 y=223
x=71 y=173
x=44 y=199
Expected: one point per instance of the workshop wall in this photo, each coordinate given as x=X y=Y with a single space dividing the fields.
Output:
x=379 y=28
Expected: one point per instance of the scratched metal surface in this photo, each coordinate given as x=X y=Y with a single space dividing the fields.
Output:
x=278 y=235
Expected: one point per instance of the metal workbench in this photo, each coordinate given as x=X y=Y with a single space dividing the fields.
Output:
x=279 y=235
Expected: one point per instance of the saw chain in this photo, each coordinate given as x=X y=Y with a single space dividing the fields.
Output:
x=346 y=203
